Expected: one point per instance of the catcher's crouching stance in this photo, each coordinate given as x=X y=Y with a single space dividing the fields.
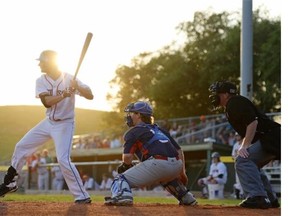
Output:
x=161 y=160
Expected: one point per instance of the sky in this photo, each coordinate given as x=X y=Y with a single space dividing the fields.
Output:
x=121 y=30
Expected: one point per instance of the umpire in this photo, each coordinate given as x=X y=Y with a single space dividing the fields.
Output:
x=261 y=143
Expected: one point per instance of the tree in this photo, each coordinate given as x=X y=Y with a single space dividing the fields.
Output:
x=176 y=81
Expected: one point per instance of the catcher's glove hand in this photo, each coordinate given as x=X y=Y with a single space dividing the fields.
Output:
x=123 y=167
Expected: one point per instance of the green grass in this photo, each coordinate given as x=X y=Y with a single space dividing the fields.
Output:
x=97 y=198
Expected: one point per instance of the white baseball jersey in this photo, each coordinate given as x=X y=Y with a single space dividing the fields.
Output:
x=64 y=110
x=217 y=169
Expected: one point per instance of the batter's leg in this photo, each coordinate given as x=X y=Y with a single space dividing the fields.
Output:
x=36 y=137
x=25 y=147
x=62 y=135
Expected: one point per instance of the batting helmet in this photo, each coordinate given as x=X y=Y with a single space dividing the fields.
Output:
x=140 y=107
x=48 y=56
x=215 y=155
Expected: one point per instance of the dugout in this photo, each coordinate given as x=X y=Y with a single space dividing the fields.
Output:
x=197 y=156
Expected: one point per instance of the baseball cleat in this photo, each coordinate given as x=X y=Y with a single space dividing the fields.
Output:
x=192 y=203
x=275 y=204
x=188 y=199
x=5 y=189
x=83 y=201
x=119 y=201
x=256 y=202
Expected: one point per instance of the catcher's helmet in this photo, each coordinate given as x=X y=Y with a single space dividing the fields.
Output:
x=220 y=87
x=139 y=107
x=48 y=56
x=215 y=155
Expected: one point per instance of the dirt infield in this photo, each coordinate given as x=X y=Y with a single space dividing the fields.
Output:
x=138 y=209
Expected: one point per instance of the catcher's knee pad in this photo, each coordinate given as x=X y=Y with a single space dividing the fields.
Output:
x=179 y=191
x=120 y=187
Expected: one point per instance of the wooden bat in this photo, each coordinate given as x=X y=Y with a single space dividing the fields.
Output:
x=84 y=50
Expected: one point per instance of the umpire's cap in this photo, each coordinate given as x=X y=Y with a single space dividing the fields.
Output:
x=139 y=107
x=215 y=155
x=223 y=87
x=48 y=56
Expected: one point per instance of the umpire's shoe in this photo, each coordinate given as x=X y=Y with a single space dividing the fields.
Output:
x=4 y=189
x=260 y=202
x=119 y=201
x=275 y=203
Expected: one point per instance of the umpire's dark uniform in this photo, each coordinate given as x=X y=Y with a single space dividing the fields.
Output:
x=266 y=145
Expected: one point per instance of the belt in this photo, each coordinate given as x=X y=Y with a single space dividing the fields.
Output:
x=160 y=157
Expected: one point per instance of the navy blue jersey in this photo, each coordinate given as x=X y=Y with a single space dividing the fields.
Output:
x=145 y=140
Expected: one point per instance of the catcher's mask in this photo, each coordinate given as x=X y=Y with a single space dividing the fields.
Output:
x=220 y=87
x=138 y=107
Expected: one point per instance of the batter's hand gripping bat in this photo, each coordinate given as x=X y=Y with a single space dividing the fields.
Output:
x=84 y=50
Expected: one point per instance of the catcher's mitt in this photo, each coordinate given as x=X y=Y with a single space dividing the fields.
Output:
x=123 y=167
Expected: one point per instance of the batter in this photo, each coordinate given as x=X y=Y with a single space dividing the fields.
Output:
x=57 y=92
x=161 y=159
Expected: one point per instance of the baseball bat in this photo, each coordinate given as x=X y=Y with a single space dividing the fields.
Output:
x=84 y=50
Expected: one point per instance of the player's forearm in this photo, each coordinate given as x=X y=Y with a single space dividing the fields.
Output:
x=49 y=101
x=250 y=133
x=86 y=92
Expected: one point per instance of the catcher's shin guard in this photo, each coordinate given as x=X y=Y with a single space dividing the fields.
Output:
x=120 y=187
x=180 y=192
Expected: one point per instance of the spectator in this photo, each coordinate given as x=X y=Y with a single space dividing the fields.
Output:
x=217 y=174
x=106 y=182
x=105 y=143
x=89 y=183
x=45 y=153
x=57 y=178
x=32 y=172
x=231 y=138
x=96 y=143
x=115 y=142
x=42 y=171
x=173 y=130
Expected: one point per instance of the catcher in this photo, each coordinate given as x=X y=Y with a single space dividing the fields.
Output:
x=161 y=159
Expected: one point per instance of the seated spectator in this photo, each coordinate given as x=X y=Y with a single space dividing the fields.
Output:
x=106 y=182
x=105 y=143
x=115 y=142
x=217 y=174
x=96 y=143
x=89 y=183
x=42 y=171
x=231 y=138
x=57 y=178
